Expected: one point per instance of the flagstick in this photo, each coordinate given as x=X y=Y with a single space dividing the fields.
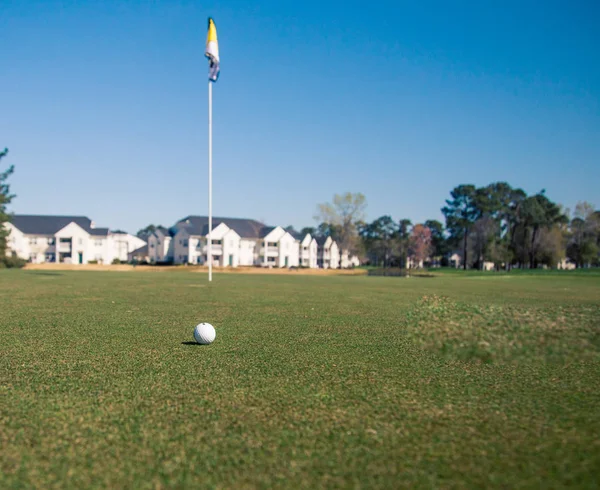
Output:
x=209 y=181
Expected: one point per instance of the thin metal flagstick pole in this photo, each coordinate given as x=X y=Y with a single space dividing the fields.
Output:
x=210 y=258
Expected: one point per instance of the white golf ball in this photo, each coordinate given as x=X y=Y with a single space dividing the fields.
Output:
x=204 y=333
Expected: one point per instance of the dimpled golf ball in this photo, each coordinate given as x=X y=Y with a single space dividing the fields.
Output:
x=204 y=333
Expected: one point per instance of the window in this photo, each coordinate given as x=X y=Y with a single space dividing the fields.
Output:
x=217 y=242
x=152 y=245
x=98 y=243
x=270 y=259
x=33 y=241
x=81 y=241
x=185 y=243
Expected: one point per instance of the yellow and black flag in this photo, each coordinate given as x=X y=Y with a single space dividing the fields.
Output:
x=212 y=51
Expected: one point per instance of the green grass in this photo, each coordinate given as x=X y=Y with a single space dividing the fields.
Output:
x=456 y=381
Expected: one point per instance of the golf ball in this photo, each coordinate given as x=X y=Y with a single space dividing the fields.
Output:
x=204 y=333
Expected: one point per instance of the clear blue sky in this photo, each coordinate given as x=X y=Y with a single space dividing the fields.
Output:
x=103 y=105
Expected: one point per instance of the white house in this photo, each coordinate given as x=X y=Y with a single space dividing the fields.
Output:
x=159 y=246
x=191 y=246
x=278 y=248
x=328 y=253
x=68 y=239
x=121 y=244
x=347 y=261
x=235 y=241
x=308 y=250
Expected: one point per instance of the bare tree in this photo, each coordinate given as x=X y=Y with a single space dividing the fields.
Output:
x=343 y=214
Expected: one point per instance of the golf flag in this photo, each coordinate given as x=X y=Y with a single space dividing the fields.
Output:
x=212 y=51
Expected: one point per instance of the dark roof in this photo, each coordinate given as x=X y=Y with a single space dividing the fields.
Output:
x=49 y=225
x=265 y=230
x=143 y=250
x=161 y=230
x=321 y=240
x=296 y=234
x=198 y=225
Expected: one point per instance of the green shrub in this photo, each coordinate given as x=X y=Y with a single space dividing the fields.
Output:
x=116 y=261
x=12 y=262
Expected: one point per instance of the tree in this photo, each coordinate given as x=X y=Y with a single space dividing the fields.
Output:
x=584 y=234
x=5 y=198
x=404 y=227
x=460 y=213
x=536 y=214
x=308 y=230
x=325 y=230
x=439 y=245
x=343 y=214
x=484 y=234
x=420 y=243
x=379 y=238
x=551 y=246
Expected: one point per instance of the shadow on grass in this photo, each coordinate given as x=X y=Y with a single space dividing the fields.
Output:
x=189 y=342
x=43 y=273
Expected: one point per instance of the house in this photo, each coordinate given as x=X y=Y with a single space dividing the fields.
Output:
x=123 y=244
x=139 y=255
x=308 y=250
x=348 y=261
x=278 y=248
x=235 y=241
x=566 y=264
x=455 y=260
x=66 y=239
x=191 y=245
x=328 y=254
x=159 y=246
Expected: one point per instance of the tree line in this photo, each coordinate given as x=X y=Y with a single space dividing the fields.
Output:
x=495 y=224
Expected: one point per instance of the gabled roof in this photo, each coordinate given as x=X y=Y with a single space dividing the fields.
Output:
x=161 y=231
x=198 y=225
x=49 y=225
x=296 y=234
x=143 y=250
x=321 y=240
x=265 y=230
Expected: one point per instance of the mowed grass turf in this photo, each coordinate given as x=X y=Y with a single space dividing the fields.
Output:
x=312 y=382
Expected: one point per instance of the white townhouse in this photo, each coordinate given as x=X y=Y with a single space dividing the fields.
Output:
x=235 y=242
x=191 y=246
x=278 y=248
x=308 y=251
x=159 y=245
x=328 y=253
x=67 y=239
x=347 y=261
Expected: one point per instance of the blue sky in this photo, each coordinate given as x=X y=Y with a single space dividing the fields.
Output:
x=104 y=105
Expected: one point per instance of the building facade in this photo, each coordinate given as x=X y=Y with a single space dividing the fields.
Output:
x=67 y=239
